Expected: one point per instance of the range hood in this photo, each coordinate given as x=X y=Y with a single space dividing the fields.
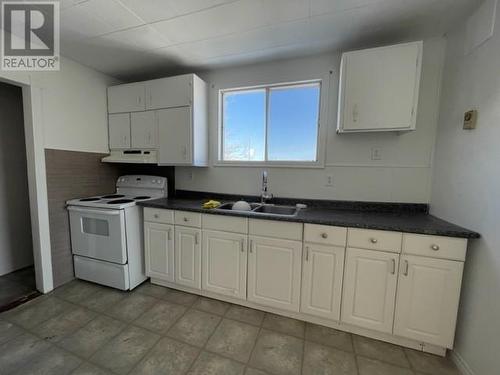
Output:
x=132 y=156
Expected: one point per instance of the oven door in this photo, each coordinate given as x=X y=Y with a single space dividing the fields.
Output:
x=98 y=234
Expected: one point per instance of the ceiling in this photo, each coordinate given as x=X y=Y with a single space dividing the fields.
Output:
x=138 y=39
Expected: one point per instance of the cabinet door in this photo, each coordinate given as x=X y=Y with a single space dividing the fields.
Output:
x=224 y=262
x=274 y=269
x=159 y=251
x=119 y=131
x=323 y=268
x=170 y=92
x=126 y=98
x=174 y=136
x=369 y=289
x=380 y=88
x=143 y=129
x=188 y=257
x=427 y=300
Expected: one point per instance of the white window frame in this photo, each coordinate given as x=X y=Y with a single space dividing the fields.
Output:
x=318 y=163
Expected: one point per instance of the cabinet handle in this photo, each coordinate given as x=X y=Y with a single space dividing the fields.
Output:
x=307 y=253
x=169 y=234
x=186 y=219
x=242 y=243
x=393 y=266
x=324 y=235
x=373 y=240
x=407 y=266
x=196 y=238
x=355 y=113
x=435 y=247
x=251 y=246
x=156 y=216
x=139 y=99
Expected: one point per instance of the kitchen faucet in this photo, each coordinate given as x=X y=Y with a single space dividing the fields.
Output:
x=264 y=194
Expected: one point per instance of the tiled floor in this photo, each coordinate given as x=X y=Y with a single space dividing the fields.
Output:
x=83 y=328
x=16 y=287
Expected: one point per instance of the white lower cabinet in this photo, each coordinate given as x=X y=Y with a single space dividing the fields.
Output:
x=224 y=263
x=369 y=289
x=427 y=299
x=159 y=250
x=188 y=257
x=274 y=272
x=322 y=280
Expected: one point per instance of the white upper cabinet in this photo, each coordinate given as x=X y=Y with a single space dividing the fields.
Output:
x=119 y=131
x=143 y=129
x=169 y=92
x=130 y=97
x=174 y=133
x=379 y=88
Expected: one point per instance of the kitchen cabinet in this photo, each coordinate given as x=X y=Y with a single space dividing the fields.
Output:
x=322 y=280
x=369 y=289
x=143 y=130
x=224 y=262
x=274 y=272
x=379 y=88
x=427 y=299
x=170 y=92
x=174 y=133
x=188 y=257
x=119 y=131
x=129 y=97
x=159 y=250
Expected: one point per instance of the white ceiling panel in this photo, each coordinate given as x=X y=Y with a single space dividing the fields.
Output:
x=138 y=38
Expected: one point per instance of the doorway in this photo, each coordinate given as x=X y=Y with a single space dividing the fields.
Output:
x=17 y=276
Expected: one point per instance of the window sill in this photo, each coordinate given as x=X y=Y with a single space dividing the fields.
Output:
x=316 y=165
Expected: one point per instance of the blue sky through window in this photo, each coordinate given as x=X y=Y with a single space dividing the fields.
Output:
x=292 y=123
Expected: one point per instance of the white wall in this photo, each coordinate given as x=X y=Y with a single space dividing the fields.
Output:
x=403 y=174
x=15 y=229
x=466 y=190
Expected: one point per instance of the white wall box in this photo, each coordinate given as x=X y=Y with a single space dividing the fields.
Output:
x=188 y=257
x=379 y=88
x=159 y=250
x=369 y=289
x=224 y=260
x=129 y=97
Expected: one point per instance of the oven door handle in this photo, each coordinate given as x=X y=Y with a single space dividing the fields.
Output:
x=94 y=211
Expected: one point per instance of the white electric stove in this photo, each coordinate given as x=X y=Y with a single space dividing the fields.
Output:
x=107 y=232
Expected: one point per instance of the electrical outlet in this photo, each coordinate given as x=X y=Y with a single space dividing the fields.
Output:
x=376 y=153
x=329 y=180
x=190 y=176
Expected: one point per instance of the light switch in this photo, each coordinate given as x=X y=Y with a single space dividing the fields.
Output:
x=470 y=119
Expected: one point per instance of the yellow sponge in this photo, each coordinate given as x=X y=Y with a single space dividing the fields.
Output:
x=211 y=204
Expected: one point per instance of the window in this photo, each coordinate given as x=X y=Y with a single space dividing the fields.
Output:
x=277 y=123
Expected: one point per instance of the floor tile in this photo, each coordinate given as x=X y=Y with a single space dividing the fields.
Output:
x=329 y=336
x=90 y=369
x=380 y=350
x=124 y=351
x=253 y=371
x=325 y=360
x=103 y=300
x=53 y=361
x=88 y=339
x=245 y=315
x=368 y=366
x=152 y=290
x=431 y=364
x=277 y=353
x=212 y=306
x=35 y=312
x=131 y=307
x=182 y=298
x=19 y=351
x=58 y=327
x=160 y=317
x=288 y=326
x=167 y=357
x=8 y=331
x=211 y=364
x=195 y=327
x=233 y=339
x=76 y=291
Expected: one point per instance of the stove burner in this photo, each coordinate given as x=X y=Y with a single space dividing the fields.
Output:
x=120 y=201
x=141 y=197
x=113 y=196
x=89 y=199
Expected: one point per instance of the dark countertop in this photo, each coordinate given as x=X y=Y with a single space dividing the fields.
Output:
x=404 y=220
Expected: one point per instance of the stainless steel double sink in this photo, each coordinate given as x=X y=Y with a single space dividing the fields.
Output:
x=262 y=209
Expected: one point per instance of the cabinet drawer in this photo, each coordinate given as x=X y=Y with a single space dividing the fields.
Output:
x=374 y=240
x=277 y=229
x=188 y=219
x=158 y=215
x=325 y=234
x=435 y=246
x=225 y=223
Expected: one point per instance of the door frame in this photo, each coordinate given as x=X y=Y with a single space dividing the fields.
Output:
x=37 y=179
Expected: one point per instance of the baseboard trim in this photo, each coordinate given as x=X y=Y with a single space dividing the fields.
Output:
x=462 y=366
